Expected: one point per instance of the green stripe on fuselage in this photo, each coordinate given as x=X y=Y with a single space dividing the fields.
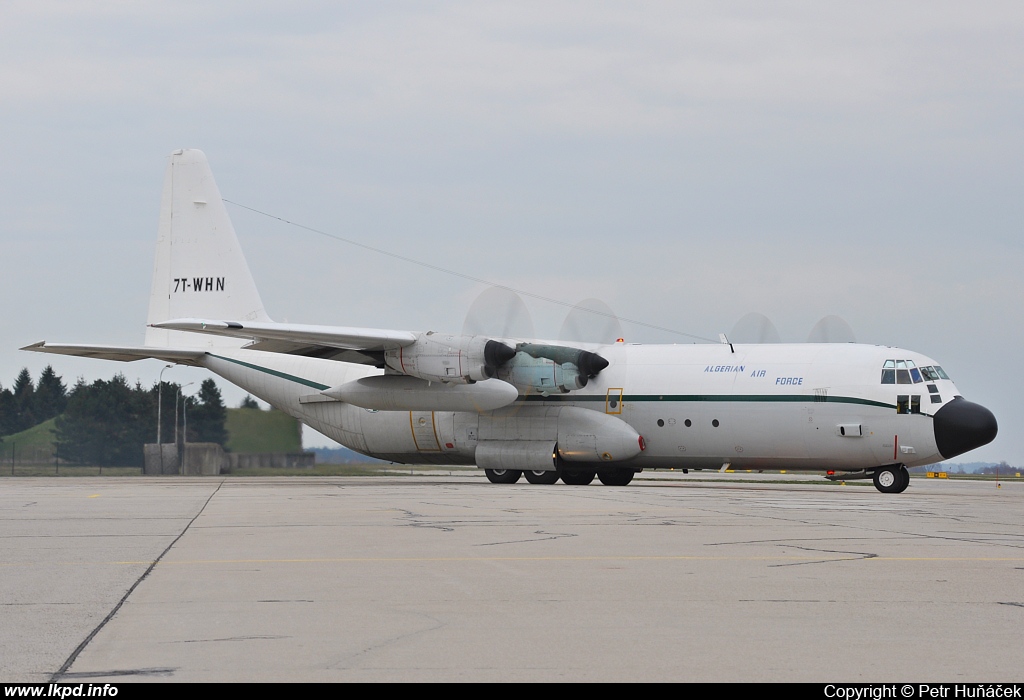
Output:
x=717 y=398
x=674 y=398
x=274 y=372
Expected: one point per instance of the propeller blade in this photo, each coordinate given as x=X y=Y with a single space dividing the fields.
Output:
x=754 y=328
x=591 y=321
x=500 y=313
x=831 y=329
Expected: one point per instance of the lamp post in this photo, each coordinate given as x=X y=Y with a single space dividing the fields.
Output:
x=176 y=397
x=184 y=428
x=159 y=406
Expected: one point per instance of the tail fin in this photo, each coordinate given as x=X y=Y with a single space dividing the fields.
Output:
x=199 y=271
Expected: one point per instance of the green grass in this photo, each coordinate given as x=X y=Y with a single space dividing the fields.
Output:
x=249 y=430
x=253 y=430
x=32 y=445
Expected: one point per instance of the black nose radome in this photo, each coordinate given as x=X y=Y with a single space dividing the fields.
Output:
x=960 y=426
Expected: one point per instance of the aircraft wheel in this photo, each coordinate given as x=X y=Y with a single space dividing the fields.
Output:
x=541 y=477
x=890 y=479
x=503 y=476
x=904 y=480
x=577 y=477
x=616 y=477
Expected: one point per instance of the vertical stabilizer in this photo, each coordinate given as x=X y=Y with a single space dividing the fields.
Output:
x=199 y=271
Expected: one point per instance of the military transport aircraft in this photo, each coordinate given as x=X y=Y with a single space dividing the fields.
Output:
x=547 y=409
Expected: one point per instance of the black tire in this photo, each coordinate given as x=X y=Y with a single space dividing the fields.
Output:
x=577 y=477
x=905 y=481
x=543 y=477
x=891 y=479
x=503 y=476
x=616 y=477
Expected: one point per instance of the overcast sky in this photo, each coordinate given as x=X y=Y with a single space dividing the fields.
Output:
x=687 y=163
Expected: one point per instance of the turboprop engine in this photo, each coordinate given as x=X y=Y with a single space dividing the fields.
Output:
x=468 y=360
x=551 y=368
x=458 y=359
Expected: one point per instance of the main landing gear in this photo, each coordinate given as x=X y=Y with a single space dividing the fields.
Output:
x=577 y=477
x=892 y=479
x=503 y=476
x=616 y=477
x=541 y=477
x=573 y=476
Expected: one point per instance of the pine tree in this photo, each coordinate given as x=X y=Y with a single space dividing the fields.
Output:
x=8 y=412
x=51 y=396
x=106 y=423
x=24 y=397
x=207 y=419
x=249 y=402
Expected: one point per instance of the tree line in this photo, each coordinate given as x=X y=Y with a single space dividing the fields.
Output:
x=107 y=422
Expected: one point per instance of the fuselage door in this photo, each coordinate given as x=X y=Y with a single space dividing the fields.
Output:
x=424 y=432
x=613 y=401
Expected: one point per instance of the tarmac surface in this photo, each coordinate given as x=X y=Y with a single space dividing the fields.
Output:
x=451 y=578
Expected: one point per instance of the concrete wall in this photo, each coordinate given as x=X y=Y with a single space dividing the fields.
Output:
x=153 y=466
x=202 y=459
x=209 y=459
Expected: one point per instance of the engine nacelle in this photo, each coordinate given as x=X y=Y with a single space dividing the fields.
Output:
x=588 y=363
x=459 y=359
x=541 y=374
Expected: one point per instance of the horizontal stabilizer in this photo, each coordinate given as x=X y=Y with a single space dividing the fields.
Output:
x=298 y=335
x=120 y=353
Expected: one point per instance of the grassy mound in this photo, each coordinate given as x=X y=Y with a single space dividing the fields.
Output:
x=253 y=430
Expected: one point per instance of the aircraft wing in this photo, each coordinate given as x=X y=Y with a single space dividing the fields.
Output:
x=346 y=344
x=120 y=353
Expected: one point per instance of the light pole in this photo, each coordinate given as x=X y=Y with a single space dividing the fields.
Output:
x=181 y=457
x=159 y=406
x=184 y=428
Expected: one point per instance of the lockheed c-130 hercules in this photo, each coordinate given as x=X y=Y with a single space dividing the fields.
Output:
x=547 y=409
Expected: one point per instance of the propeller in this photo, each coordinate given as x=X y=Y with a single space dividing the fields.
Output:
x=500 y=313
x=591 y=321
x=831 y=329
x=754 y=328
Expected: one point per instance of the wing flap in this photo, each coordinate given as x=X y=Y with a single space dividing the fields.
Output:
x=294 y=337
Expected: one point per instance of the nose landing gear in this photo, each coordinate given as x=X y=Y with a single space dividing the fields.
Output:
x=892 y=479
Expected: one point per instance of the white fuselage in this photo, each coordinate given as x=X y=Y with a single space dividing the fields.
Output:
x=807 y=406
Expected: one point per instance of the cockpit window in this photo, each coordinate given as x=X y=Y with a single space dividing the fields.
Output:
x=906 y=372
